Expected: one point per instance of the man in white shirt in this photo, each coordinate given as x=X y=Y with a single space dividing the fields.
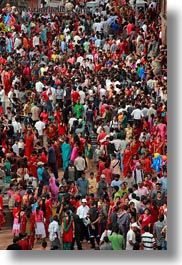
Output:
x=138 y=174
x=2 y=97
x=137 y=115
x=17 y=126
x=54 y=233
x=80 y=165
x=15 y=148
x=17 y=42
x=40 y=126
x=131 y=237
x=82 y=212
x=39 y=87
x=36 y=40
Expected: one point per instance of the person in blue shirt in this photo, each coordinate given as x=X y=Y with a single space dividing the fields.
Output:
x=163 y=182
x=40 y=170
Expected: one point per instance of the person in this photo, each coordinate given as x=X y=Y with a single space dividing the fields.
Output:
x=54 y=233
x=82 y=212
x=44 y=245
x=159 y=237
x=116 y=239
x=82 y=185
x=23 y=242
x=103 y=213
x=127 y=155
x=66 y=153
x=101 y=185
x=123 y=221
x=39 y=224
x=66 y=76
x=145 y=219
x=94 y=225
x=68 y=230
x=131 y=237
x=147 y=239
x=2 y=218
x=78 y=226
x=106 y=245
x=40 y=170
x=80 y=165
x=15 y=245
x=52 y=159
x=88 y=154
x=92 y=184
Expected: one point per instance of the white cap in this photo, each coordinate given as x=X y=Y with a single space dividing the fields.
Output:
x=84 y=200
x=102 y=176
x=40 y=163
x=135 y=225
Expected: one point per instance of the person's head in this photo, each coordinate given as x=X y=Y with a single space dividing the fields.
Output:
x=115 y=188
x=123 y=186
x=125 y=207
x=135 y=226
x=92 y=175
x=116 y=176
x=16 y=239
x=83 y=175
x=84 y=202
x=106 y=239
x=44 y=244
x=116 y=229
x=132 y=205
x=147 y=211
x=102 y=177
x=146 y=228
x=129 y=174
x=55 y=218
x=161 y=217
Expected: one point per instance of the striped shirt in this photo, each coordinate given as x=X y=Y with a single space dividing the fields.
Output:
x=147 y=240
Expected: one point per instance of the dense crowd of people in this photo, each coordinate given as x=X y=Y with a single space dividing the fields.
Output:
x=83 y=127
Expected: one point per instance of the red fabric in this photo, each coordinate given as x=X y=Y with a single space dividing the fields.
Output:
x=127 y=155
x=29 y=143
x=68 y=236
x=75 y=96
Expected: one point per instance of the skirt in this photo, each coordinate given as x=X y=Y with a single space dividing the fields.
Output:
x=16 y=227
x=40 y=229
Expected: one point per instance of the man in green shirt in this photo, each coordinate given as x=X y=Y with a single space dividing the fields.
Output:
x=116 y=239
x=78 y=109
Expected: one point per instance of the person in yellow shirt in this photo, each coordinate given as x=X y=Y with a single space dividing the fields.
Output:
x=54 y=56
x=92 y=183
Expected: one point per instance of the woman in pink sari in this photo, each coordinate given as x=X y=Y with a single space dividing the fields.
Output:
x=74 y=152
x=161 y=130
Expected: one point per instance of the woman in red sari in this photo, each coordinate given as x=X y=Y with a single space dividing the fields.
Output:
x=29 y=143
x=145 y=219
x=6 y=80
x=23 y=220
x=45 y=116
x=67 y=230
x=51 y=130
x=134 y=146
x=158 y=145
x=127 y=156
x=32 y=164
x=48 y=213
x=43 y=156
